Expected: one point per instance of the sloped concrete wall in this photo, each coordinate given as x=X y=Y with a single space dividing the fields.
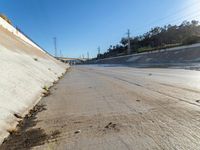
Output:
x=24 y=70
x=17 y=33
x=183 y=54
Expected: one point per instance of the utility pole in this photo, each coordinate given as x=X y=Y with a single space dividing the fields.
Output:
x=60 y=53
x=55 y=46
x=88 y=55
x=129 y=42
x=99 y=50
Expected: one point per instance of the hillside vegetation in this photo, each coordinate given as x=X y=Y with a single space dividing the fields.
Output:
x=158 y=38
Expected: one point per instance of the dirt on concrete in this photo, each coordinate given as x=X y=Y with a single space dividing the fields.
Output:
x=117 y=109
x=26 y=135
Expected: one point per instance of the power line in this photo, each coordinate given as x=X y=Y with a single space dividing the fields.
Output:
x=171 y=15
x=188 y=15
x=182 y=18
x=176 y=12
x=185 y=18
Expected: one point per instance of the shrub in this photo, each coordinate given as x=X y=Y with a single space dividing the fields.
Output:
x=5 y=18
x=45 y=88
x=191 y=40
x=35 y=59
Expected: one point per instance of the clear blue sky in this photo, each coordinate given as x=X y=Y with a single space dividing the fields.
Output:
x=83 y=25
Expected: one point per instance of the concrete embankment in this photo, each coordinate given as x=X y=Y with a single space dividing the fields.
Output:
x=25 y=69
x=174 y=56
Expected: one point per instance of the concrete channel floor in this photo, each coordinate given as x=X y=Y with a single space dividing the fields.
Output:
x=117 y=108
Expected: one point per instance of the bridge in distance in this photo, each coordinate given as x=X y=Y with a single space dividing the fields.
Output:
x=71 y=61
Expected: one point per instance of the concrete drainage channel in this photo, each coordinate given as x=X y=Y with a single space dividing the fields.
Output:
x=26 y=71
x=179 y=57
x=24 y=137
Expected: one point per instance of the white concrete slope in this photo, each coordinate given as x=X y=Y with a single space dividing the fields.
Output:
x=24 y=71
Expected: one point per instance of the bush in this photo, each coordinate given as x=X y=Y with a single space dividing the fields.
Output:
x=5 y=18
x=191 y=40
x=35 y=59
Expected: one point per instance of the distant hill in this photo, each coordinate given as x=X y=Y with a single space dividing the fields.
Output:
x=187 y=33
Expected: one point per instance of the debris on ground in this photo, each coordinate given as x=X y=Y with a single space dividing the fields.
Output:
x=198 y=101
x=25 y=136
x=77 y=132
x=46 y=91
x=17 y=116
x=110 y=125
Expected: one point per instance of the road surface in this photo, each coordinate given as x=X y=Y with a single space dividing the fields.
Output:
x=116 y=108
